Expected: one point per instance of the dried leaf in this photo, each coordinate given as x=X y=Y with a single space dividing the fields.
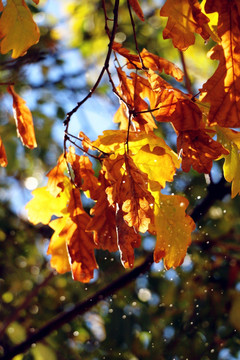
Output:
x=222 y=90
x=173 y=105
x=23 y=119
x=151 y=61
x=198 y=150
x=173 y=228
x=56 y=177
x=18 y=31
x=3 y=156
x=103 y=222
x=127 y=238
x=84 y=177
x=184 y=19
x=80 y=242
x=130 y=91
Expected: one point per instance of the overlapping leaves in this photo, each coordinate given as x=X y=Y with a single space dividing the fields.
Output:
x=135 y=163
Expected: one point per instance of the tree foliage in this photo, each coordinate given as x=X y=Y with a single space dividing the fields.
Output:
x=132 y=184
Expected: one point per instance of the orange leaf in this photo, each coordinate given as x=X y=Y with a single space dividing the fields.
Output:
x=184 y=18
x=3 y=156
x=130 y=90
x=23 y=118
x=151 y=61
x=137 y=8
x=222 y=90
x=128 y=189
x=80 y=242
x=198 y=150
x=127 y=239
x=56 y=177
x=173 y=105
x=84 y=177
x=173 y=227
x=103 y=222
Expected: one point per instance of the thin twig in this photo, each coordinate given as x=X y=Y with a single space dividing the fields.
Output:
x=187 y=79
x=105 y=67
x=135 y=36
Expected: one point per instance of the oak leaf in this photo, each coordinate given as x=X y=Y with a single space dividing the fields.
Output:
x=58 y=247
x=18 y=30
x=184 y=19
x=198 y=150
x=222 y=90
x=127 y=238
x=84 y=177
x=231 y=168
x=173 y=105
x=23 y=119
x=80 y=243
x=128 y=189
x=129 y=92
x=3 y=156
x=173 y=229
x=56 y=177
x=150 y=61
x=103 y=222
x=44 y=205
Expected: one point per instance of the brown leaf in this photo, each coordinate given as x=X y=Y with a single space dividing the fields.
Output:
x=3 y=156
x=128 y=239
x=56 y=177
x=103 y=222
x=130 y=91
x=84 y=177
x=80 y=243
x=173 y=105
x=222 y=90
x=23 y=118
x=184 y=19
x=198 y=150
x=151 y=61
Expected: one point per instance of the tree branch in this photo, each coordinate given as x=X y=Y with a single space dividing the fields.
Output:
x=215 y=192
x=80 y=308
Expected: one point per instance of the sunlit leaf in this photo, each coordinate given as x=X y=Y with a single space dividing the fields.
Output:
x=184 y=19
x=18 y=31
x=222 y=90
x=198 y=150
x=231 y=168
x=173 y=229
x=23 y=119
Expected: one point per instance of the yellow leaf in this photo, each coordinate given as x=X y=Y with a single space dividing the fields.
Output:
x=231 y=168
x=18 y=31
x=173 y=229
x=23 y=119
x=44 y=205
x=58 y=247
x=158 y=164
